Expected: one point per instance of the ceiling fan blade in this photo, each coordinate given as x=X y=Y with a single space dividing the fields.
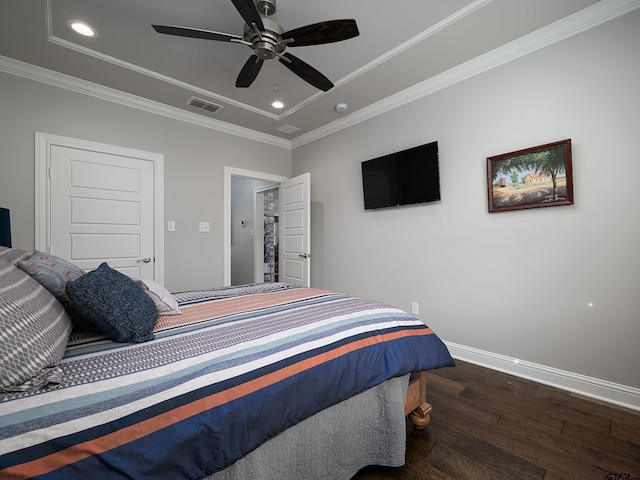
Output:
x=249 y=72
x=306 y=72
x=323 y=32
x=196 y=33
x=249 y=12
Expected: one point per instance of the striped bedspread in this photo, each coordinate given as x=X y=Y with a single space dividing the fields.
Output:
x=237 y=367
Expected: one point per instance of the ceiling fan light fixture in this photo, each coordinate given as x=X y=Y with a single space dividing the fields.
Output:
x=82 y=28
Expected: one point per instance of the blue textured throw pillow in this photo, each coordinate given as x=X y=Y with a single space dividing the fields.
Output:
x=115 y=304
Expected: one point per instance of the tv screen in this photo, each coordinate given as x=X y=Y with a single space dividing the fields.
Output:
x=402 y=178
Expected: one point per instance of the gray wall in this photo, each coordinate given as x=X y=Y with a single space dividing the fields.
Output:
x=194 y=161
x=517 y=284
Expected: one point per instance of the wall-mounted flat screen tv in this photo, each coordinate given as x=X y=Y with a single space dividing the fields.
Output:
x=402 y=178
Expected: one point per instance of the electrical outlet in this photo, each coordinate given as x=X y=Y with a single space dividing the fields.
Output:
x=203 y=227
x=415 y=309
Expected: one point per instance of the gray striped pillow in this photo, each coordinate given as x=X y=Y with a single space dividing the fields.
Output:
x=34 y=330
x=13 y=255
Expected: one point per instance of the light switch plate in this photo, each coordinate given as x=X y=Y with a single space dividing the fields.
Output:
x=171 y=226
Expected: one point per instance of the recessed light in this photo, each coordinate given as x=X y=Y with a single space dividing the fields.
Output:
x=277 y=104
x=82 y=28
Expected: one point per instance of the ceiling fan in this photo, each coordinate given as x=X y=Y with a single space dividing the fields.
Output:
x=268 y=40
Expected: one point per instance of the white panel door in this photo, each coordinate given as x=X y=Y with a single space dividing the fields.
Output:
x=295 y=230
x=102 y=210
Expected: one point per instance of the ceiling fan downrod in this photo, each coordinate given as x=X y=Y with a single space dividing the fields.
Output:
x=267 y=7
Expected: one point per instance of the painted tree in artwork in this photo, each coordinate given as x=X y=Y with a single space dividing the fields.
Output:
x=551 y=161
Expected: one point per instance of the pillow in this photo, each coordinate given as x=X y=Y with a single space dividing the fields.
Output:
x=13 y=255
x=53 y=273
x=166 y=304
x=34 y=330
x=115 y=304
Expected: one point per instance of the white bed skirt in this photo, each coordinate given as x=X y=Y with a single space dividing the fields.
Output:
x=334 y=444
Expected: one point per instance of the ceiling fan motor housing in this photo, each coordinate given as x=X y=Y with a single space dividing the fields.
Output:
x=268 y=43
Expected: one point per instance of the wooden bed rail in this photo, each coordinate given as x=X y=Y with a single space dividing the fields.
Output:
x=415 y=404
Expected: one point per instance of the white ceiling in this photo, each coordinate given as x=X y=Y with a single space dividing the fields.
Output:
x=403 y=46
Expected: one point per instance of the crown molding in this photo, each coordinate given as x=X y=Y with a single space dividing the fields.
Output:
x=581 y=21
x=138 y=69
x=422 y=36
x=590 y=17
x=67 y=82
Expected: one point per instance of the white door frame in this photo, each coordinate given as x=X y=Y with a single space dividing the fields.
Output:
x=237 y=172
x=43 y=143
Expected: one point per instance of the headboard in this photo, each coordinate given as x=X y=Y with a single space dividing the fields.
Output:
x=5 y=228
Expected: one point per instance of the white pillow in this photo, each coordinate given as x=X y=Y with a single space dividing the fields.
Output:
x=166 y=304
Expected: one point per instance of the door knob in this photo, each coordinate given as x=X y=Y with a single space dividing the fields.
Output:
x=304 y=255
x=145 y=259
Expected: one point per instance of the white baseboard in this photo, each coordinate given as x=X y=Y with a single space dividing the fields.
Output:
x=622 y=395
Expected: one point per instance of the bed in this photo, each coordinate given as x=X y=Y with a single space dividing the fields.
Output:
x=256 y=381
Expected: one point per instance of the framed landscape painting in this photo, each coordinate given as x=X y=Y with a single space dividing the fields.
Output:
x=531 y=178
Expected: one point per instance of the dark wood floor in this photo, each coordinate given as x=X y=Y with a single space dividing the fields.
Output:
x=487 y=425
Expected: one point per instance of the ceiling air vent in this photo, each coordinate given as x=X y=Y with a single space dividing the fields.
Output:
x=288 y=129
x=204 y=105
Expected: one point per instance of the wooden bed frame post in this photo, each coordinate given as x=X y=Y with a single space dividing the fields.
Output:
x=415 y=404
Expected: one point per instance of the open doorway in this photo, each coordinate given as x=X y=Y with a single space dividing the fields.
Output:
x=239 y=239
x=294 y=226
x=253 y=241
